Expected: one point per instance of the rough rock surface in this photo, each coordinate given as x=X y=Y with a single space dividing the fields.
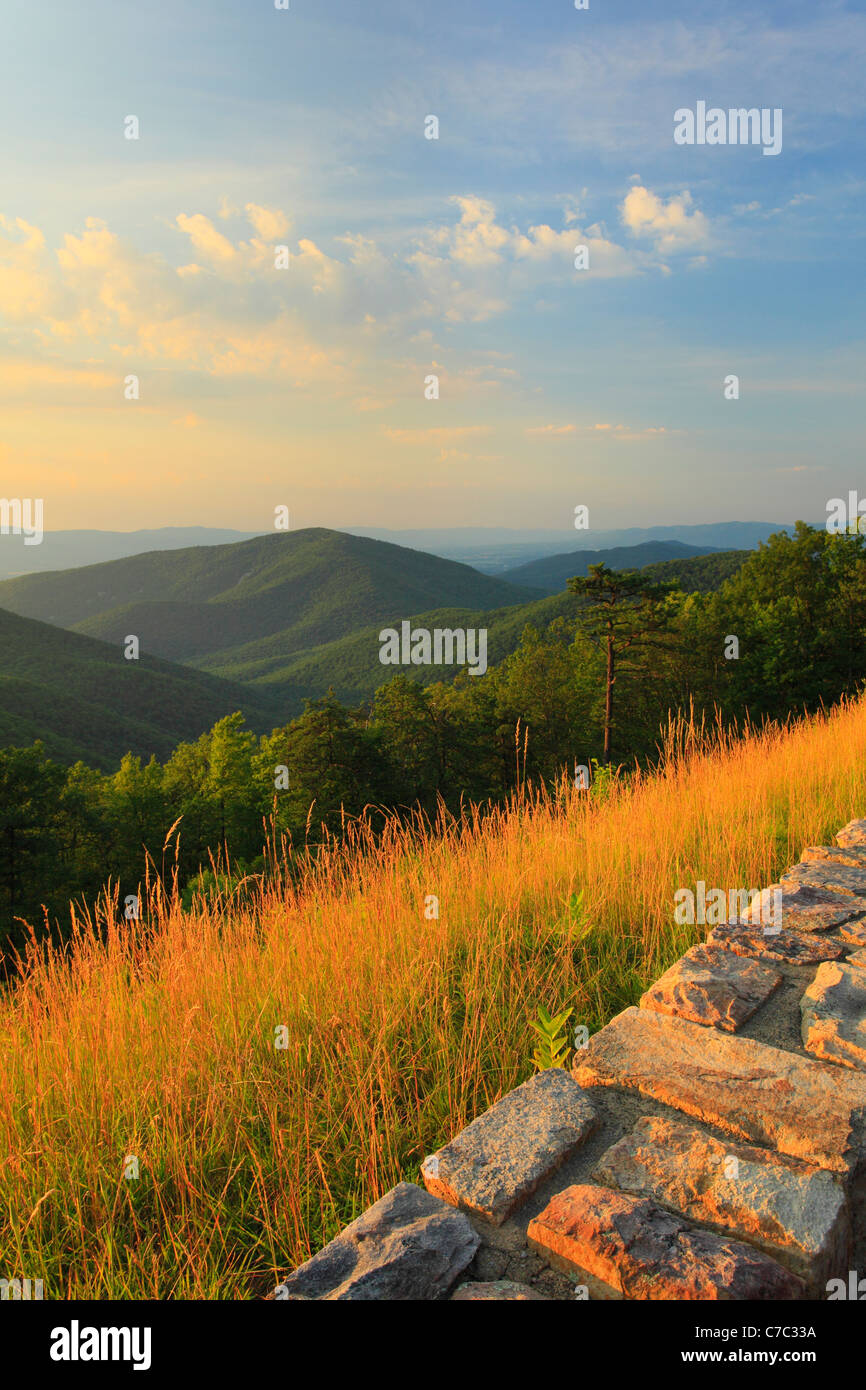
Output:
x=803 y=908
x=854 y=856
x=501 y=1290
x=683 y=1212
x=408 y=1245
x=790 y=1210
x=790 y=947
x=499 y=1159
x=808 y=1109
x=712 y=986
x=644 y=1252
x=833 y=878
x=834 y=1015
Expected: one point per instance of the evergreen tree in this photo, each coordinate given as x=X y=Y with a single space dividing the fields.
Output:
x=624 y=612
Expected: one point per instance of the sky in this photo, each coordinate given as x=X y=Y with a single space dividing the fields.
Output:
x=306 y=386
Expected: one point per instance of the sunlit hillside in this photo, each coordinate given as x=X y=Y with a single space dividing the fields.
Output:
x=156 y=1040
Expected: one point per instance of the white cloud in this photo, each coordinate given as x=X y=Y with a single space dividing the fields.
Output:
x=24 y=288
x=477 y=240
x=204 y=236
x=626 y=434
x=231 y=312
x=270 y=223
x=672 y=226
x=436 y=434
x=476 y=268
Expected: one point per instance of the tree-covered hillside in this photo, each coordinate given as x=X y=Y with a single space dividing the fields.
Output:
x=351 y=665
x=301 y=588
x=785 y=633
x=551 y=573
x=83 y=699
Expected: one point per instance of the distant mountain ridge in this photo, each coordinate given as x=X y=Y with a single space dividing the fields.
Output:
x=302 y=618
x=497 y=549
x=490 y=549
x=552 y=573
x=61 y=550
x=294 y=589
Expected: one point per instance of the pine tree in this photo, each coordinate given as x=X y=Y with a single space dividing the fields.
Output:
x=624 y=611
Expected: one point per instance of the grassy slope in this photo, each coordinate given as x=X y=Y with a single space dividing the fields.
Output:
x=160 y=1041
x=84 y=700
x=301 y=588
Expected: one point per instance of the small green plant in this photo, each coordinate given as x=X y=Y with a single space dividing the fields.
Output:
x=577 y=909
x=552 y=1049
x=207 y=888
x=577 y=926
x=603 y=779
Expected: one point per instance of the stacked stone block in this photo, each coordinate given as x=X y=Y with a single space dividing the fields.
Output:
x=708 y=1144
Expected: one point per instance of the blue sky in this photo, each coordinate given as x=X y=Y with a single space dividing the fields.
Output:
x=305 y=387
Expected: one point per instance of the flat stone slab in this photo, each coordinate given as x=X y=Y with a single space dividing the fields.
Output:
x=645 y=1252
x=803 y=908
x=834 y=1015
x=497 y=1292
x=408 y=1245
x=805 y=1108
x=857 y=958
x=854 y=933
x=796 y=1213
x=854 y=833
x=790 y=947
x=712 y=986
x=833 y=878
x=854 y=856
x=497 y=1161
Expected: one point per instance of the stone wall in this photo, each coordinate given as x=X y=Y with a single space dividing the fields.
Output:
x=709 y=1144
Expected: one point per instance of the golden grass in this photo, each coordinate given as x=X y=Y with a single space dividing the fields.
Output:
x=157 y=1039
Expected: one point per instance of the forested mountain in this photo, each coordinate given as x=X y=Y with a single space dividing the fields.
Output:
x=301 y=588
x=701 y=573
x=551 y=573
x=351 y=666
x=83 y=699
x=784 y=633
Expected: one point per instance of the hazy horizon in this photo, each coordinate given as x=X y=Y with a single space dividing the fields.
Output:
x=351 y=528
